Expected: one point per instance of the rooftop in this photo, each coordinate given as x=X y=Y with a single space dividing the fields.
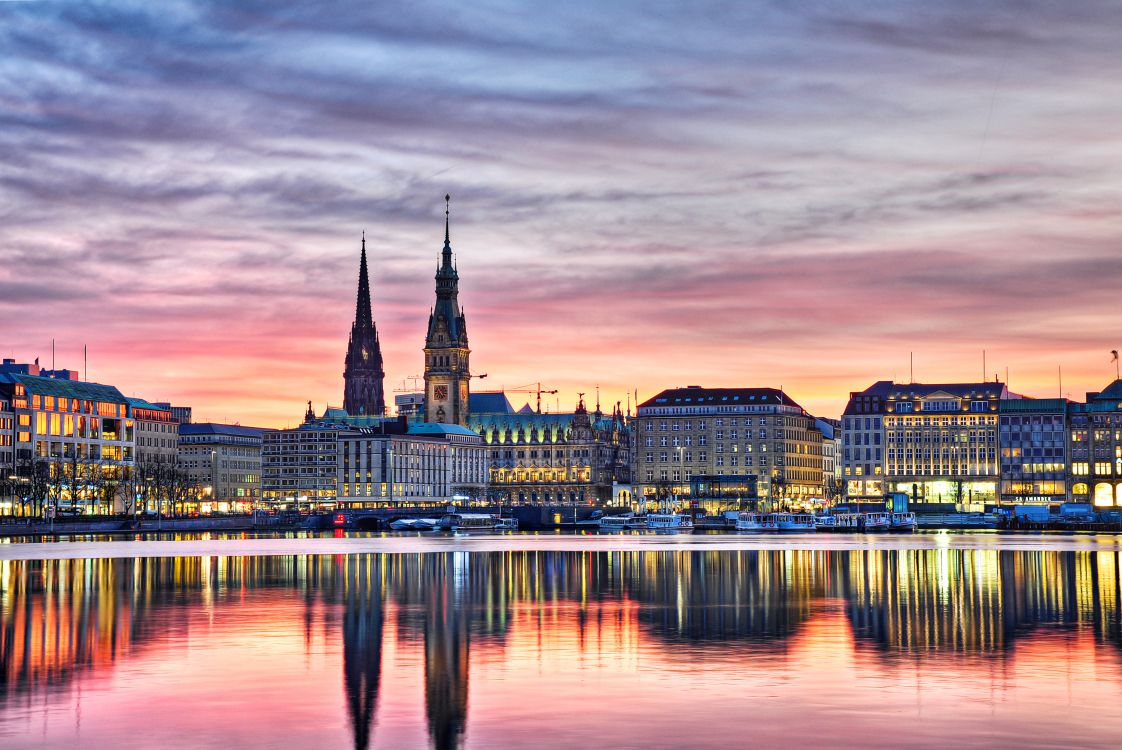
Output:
x=66 y=388
x=695 y=395
x=215 y=428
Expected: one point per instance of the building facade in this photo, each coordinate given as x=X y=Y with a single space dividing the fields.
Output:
x=941 y=442
x=300 y=466
x=862 y=449
x=751 y=432
x=1095 y=448
x=73 y=443
x=1032 y=434
x=576 y=458
x=447 y=367
x=363 y=374
x=223 y=462
x=379 y=470
x=157 y=432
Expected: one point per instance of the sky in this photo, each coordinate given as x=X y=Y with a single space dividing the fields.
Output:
x=644 y=194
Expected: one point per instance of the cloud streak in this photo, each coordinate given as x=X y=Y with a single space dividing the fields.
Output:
x=645 y=194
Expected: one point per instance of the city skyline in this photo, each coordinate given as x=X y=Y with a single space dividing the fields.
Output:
x=767 y=203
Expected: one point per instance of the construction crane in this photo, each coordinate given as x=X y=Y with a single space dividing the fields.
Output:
x=537 y=388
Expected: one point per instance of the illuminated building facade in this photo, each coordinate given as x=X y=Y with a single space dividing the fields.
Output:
x=157 y=432
x=300 y=465
x=942 y=442
x=72 y=442
x=1095 y=448
x=718 y=431
x=447 y=369
x=574 y=458
x=1033 y=441
x=376 y=469
x=224 y=462
x=862 y=451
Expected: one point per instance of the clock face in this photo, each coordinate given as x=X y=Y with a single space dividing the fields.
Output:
x=365 y=353
x=440 y=392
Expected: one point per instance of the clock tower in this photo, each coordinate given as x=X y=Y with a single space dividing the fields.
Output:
x=363 y=375
x=447 y=374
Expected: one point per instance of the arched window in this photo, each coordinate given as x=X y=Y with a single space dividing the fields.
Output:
x=1104 y=495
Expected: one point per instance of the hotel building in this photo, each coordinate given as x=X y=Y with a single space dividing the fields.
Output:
x=862 y=454
x=751 y=432
x=941 y=442
x=1095 y=448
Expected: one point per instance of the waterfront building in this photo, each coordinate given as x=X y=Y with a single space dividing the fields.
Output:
x=300 y=465
x=751 y=432
x=157 y=432
x=9 y=484
x=862 y=443
x=377 y=469
x=363 y=375
x=447 y=368
x=941 y=442
x=1095 y=448
x=573 y=458
x=73 y=442
x=224 y=462
x=1033 y=442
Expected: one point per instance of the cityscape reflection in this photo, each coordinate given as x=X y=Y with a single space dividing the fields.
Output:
x=449 y=648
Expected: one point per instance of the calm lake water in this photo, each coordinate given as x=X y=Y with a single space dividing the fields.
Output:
x=645 y=648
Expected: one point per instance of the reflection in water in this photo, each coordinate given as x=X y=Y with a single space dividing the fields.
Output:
x=65 y=620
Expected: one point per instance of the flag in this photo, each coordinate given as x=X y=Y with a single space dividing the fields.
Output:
x=1113 y=355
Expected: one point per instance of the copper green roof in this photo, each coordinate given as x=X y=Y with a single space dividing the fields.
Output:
x=60 y=388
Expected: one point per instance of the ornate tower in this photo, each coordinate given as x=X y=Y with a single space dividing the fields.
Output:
x=447 y=375
x=363 y=374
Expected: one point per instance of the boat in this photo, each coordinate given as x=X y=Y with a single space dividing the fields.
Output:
x=903 y=522
x=415 y=524
x=826 y=523
x=754 y=522
x=510 y=523
x=669 y=522
x=793 y=521
x=469 y=522
x=622 y=522
x=880 y=521
x=847 y=521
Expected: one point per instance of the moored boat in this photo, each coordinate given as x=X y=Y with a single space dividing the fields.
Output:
x=903 y=522
x=415 y=524
x=754 y=522
x=622 y=522
x=826 y=523
x=793 y=521
x=876 y=521
x=469 y=522
x=669 y=522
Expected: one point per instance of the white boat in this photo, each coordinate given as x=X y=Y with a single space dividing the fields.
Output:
x=415 y=524
x=671 y=522
x=622 y=522
x=469 y=522
x=903 y=521
x=754 y=522
x=876 y=521
x=826 y=523
x=509 y=523
x=847 y=521
x=793 y=521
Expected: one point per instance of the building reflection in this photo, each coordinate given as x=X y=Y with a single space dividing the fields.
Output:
x=62 y=619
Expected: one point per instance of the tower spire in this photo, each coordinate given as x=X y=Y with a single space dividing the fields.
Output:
x=363 y=374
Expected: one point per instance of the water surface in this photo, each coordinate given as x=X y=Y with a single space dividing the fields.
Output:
x=674 y=644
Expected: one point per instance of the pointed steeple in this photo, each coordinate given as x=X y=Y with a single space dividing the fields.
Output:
x=363 y=316
x=363 y=375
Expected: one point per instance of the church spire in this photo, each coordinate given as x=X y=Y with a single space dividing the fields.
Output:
x=363 y=375
x=363 y=316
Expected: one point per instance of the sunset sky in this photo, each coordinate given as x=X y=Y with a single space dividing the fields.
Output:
x=644 y=194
